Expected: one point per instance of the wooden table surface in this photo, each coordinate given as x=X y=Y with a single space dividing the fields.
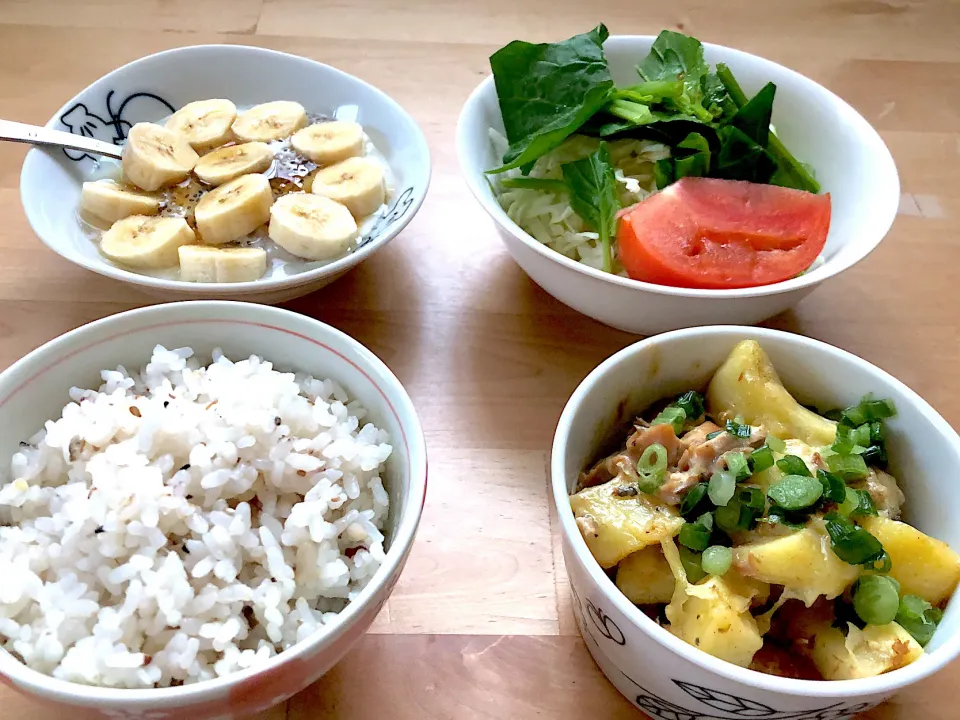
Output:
x=480 y=624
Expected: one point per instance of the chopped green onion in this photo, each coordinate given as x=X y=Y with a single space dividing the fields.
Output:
x=738 y=430
x=692 y=404
x=761 y=459
x=721 y=488
x=875 y=455
x=525 y=183
x=752 y=498
x=778 y=515
x=850 y=503
x=693 y=498
x=852 y=543
x=737 y=464
x=834 y=488
x=729 y=516
x=876 y=599
x=691 y=564
x=918 y=617
x=651 y=467
x=793 y=465
x=848 y=467
x=796 y=492
x=716 y=560
x=865 y=504
x=868 y=410
x=776 y=444
x=715 y=433
x=696 y=535
x=861 y=435
x=671 y=415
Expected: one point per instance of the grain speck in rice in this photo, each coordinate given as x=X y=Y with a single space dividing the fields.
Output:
x=185 y=522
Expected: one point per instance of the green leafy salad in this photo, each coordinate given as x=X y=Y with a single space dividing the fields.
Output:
x=577 y=148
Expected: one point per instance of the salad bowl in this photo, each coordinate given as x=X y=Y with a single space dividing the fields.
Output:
x=848 y=157
x=153 y=87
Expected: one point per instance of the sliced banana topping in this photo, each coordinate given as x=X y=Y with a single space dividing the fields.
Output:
x=311 y=226
x=221 y=265
x=356 y=182
x=204 y=123
x=234 y=210
x=154 y=157
x=229 y=163
x=146 y=242
x=270 y=121
x=329 y=142
x=103 y=202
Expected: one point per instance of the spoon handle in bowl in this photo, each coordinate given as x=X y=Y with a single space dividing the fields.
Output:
x=20 y=132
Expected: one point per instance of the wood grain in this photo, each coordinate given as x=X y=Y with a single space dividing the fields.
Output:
x=480 y=624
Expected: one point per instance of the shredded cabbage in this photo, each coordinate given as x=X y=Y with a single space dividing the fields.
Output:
x=548 y=217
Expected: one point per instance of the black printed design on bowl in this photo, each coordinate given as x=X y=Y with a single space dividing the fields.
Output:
x=113 y=129
x=718 y=705
x=724 y=706
x=388 y=217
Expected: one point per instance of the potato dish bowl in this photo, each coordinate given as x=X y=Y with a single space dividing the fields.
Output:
x=742 y=533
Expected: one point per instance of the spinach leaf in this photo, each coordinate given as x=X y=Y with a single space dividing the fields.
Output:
x=675 y=56
x=593 y=196
x=717 y=100
x=753 y=119
x=789 y=172
x=740 y=158
x=547 y=91
x=691 y=158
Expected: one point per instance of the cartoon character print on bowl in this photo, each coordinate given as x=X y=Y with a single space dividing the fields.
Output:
x=79 y=120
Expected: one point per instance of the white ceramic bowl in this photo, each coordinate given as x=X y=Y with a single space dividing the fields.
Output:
x=658 y=672
x=149 y=89
x=850 y=160
x=35 y=389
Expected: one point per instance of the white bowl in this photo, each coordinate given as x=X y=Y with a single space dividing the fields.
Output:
x=658 y=672
x=35 y=389
x=149 y=89
x=850 y=160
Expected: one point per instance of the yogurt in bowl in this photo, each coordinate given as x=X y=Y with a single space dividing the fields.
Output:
x=150 y=90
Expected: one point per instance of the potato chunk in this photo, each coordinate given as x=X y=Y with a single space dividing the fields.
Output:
x=875 y=650
x=645 y=577
x=615 y=526
x=747 y=385
x=922 y=565
x=712 y=617
x=802 y=562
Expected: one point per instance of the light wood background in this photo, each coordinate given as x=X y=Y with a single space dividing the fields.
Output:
x=480 y=624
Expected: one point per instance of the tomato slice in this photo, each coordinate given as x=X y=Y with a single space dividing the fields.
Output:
x=709 y=233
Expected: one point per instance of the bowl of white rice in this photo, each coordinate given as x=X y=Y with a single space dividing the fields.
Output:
x=203 y=506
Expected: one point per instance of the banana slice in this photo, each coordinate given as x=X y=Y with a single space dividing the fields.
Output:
x=105 y=201
x=270 y=121
x=221 y=265
x=229 y=163
x=329 y=142
x=155 y=157
x=146 y=242
x=234 y=210
x=311 y=226
x=356 y=182
x=204 y=123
